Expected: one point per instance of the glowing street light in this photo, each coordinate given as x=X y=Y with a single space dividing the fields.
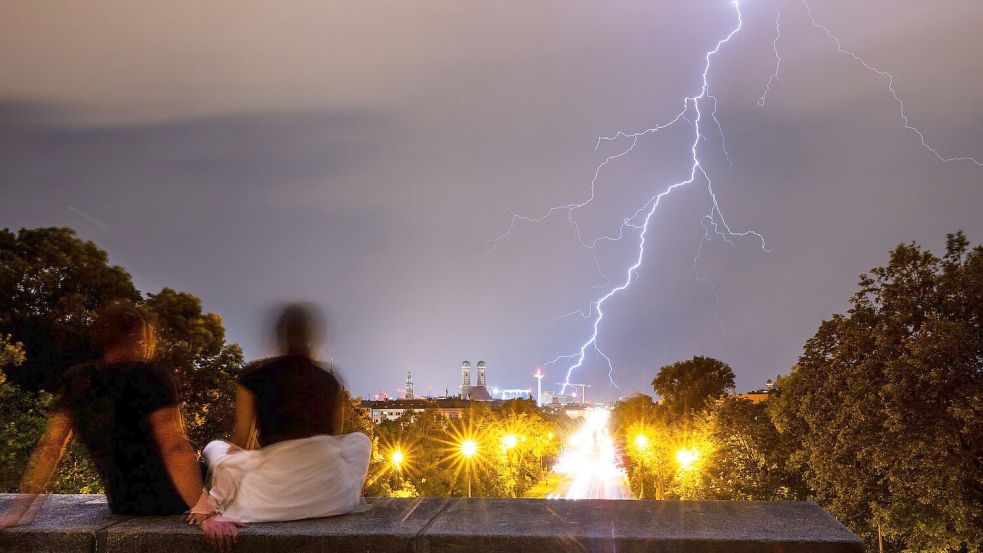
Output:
x=509 y=441
x=397 y=459
x=469 y=448
x=686 y=458
x=641 y=442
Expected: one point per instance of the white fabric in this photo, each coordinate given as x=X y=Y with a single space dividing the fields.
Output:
x=312 y=477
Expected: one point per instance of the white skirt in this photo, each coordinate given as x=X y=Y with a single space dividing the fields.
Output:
x=313 y=477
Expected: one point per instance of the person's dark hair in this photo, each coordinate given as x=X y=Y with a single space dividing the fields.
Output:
x=299 y=328
x=122 y=322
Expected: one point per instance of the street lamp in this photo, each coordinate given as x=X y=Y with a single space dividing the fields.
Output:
x=509 y=441
x=641 y=444
x=468 y=448
x=397 y=459
x=686 y=458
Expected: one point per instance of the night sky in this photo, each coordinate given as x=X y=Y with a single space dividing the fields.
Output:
x=360 y=155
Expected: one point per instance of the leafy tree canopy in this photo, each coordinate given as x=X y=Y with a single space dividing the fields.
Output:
x=686 y=387
x=887 y=402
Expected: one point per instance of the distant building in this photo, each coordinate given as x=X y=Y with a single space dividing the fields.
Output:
x=390 y=410
x=508 y=394
x=757 y=396
x=465 y=378
x=409 y=385
x=481 y=374
x=480 y=391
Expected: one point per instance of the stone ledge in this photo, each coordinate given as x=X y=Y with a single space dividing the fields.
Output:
x=83 y=524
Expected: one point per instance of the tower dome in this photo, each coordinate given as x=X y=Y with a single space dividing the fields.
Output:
x=481 y=364
x=465 y=363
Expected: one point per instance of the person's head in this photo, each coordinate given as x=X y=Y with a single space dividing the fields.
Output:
x=123 y=331
x=299 y=329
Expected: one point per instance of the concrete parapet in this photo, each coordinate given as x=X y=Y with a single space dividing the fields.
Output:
x=83 y=524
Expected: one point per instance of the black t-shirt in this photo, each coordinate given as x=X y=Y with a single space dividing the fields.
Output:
x=110 y=408
x=295 y=398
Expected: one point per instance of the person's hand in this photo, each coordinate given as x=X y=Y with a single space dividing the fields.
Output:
x=197 y=519
x=222 y=533
x=22 y=511
x=9 y=520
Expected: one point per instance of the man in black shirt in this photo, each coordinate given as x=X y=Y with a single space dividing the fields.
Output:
x=111 y=408
x=291 y=396
x=124 y=409
x=304 y=467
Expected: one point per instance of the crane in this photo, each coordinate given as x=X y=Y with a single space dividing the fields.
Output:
x=583 y=390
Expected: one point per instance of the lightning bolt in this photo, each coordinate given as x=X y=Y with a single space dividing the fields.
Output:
x=693 y=113
x=714 y=223
x=890 y=87
x=774 y=78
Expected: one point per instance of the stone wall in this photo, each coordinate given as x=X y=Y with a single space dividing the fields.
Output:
x=82 y=523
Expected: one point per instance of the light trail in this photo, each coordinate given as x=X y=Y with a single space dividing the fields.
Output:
x=589 y=463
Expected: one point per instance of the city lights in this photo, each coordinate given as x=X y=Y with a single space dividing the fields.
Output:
x=397 y=458
x=469 y=448
x=686 y=458
x=641 y=442
x=509 y=441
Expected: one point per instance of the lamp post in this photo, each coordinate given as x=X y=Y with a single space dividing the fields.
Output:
x=641 y=444
x=468 y=448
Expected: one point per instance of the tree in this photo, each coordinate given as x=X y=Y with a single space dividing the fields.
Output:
x=192 y=344
x=686 y=387
x=51 y=284
x=887 y=402
x=748 y=461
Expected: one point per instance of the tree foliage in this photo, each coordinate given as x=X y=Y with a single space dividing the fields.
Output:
x=192 y=344
x=687 y=387
x=887 y=402
x=748 y=457
x=51 y=285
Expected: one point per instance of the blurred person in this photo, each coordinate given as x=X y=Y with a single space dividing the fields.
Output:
x=124 y=409
x=290 y=406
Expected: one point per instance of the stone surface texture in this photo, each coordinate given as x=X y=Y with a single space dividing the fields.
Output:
x=83 y=524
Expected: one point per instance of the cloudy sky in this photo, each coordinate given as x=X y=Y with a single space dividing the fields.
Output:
x=361 y=155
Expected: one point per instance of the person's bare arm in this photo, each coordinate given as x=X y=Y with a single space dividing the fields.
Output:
x=179 y=458
x=245 y=417
x=43 y=462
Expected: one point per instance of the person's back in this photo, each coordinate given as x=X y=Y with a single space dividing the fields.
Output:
x=111 y=407
x=304 y=467
x=295 y=398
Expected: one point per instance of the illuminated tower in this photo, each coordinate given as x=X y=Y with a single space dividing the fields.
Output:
x=481 y=373
x=409 y=385
x=465 y=378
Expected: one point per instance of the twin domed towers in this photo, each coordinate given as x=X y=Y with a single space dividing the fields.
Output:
x=466 y=378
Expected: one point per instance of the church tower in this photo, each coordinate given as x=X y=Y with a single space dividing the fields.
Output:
x=465 y=379
x=409 y=385
x=481 y=373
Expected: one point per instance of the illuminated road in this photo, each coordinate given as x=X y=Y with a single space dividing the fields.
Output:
x=588 y=466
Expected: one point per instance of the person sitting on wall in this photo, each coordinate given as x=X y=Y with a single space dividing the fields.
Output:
x=124 y=408
x=291 y=407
